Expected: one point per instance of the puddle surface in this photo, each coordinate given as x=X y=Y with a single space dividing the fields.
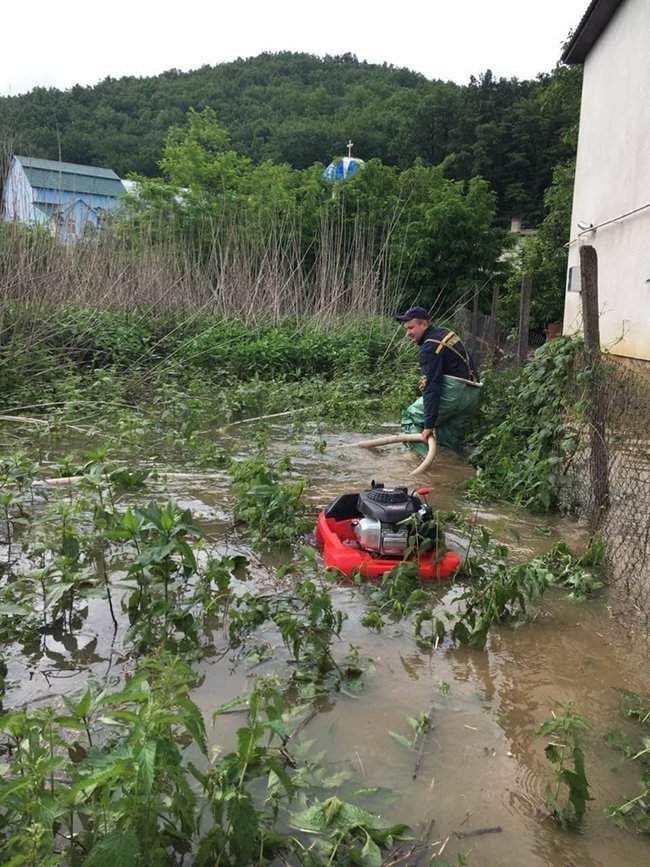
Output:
x=482 y=766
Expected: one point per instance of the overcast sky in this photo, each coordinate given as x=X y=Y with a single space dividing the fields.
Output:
x=58 y=44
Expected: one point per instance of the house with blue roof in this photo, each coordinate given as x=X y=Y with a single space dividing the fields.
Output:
x=67 y=198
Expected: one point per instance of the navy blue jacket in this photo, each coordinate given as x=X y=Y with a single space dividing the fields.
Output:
x=442 y=353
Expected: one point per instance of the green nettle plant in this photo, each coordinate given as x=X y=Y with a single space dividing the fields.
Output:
x=564 y=751
x=528 y=431
x=127 y=778
x=491 y=589
x=271 y=508
x=160 y=604
x=634 y=813
x=107 y=781
x=307 y=622
x=347 y=834
x=17 y=473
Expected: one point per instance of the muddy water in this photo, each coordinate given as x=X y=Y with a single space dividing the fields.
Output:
x=482 y=767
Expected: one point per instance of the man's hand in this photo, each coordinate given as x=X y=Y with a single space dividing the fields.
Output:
x=426 y=433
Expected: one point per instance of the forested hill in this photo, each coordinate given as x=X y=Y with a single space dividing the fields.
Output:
x=301 y=109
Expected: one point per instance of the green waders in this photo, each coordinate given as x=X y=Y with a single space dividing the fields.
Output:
x=459 y=400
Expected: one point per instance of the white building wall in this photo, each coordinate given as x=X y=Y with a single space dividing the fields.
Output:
x=18 y=196
x=613 y=178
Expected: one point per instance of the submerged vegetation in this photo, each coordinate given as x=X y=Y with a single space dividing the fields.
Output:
x=233 y=293
x=634 y=813
x=123 y=769
x=565 y=753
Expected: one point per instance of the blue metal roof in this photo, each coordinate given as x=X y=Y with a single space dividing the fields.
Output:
x=71 y=177
x=342 y=168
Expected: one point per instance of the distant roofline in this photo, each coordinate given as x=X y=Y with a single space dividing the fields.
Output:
x=598 y=15
x=66 y=168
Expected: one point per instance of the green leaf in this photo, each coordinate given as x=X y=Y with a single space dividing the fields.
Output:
x=243 y=830
x=335 y=815
x=8 y=789
x=83 y=708
x=87 y=785
x=405 y=742
x=130 y=522
x=11 y=608
x=552 y=753
x=70 y=722
x=117 y=849
x=57 y=591
x=247 y=738
x=238 y=701
x=70 y=547
x=371 y=853
x=618 y=740
x=193 y=719
x=146 y=761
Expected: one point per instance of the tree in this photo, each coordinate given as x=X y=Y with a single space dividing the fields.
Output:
x=545 y=256
x=298 y=109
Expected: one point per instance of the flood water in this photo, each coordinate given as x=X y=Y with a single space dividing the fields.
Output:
x=482 y=767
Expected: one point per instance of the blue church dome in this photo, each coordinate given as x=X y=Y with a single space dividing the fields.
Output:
x=342 y=168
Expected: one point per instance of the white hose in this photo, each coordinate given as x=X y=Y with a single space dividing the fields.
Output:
x=403 y=438
x=432 y=444
x=386 y=441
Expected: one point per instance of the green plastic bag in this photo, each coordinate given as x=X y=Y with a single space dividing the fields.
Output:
x=459 y=401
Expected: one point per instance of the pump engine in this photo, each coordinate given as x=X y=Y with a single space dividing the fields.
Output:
x=380 y=518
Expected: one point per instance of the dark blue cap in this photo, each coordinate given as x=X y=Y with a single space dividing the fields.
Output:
x=413 y=313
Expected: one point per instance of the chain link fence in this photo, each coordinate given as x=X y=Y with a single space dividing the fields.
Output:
x=607 y=484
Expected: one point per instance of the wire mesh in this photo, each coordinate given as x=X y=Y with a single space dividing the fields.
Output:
x=613 y=495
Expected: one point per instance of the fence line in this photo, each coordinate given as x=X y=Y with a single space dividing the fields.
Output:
x=607 y=484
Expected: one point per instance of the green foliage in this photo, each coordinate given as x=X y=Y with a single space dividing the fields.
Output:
x=299 y=109
x=442 y=234
x=528 y=428
x=16 y=476
x=307 y=622
x=564 y=752
x=126 y=792
x=158 y=605
x=399 y=593
x=128 y=777
x=420 y=725
x=114 y=798
x=271 y=509
x=495 y=591
x=544 y=257
x=634 y=813
x=438 y=232
x=355 y=836
x=177 y=362
x=577 y=575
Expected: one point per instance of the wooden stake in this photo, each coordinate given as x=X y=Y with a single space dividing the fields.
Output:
x=492 y=326
x=524 y=318
x=599 y=463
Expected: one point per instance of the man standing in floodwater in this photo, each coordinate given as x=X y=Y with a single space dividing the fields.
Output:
x=451 y=392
